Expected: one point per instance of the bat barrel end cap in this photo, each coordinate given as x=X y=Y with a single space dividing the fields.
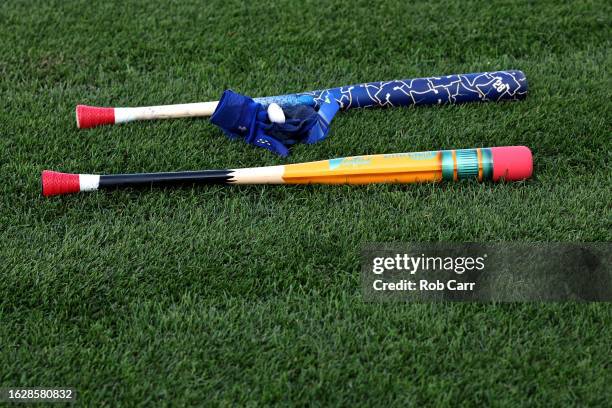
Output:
x=512 y=163
x=56 y=183
x=92 y=116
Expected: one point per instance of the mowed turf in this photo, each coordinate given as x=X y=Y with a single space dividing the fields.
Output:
x=242 y=294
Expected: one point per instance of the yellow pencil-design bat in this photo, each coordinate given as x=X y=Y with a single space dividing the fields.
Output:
x=510 y=163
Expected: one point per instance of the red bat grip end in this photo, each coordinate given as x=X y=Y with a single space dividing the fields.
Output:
x=56 y=183
x=92 y=116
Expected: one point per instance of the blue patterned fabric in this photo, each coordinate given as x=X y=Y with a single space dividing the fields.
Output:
x=241 y=117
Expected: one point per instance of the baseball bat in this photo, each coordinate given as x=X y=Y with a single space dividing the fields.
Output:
x=510 y=163
x=462 y=88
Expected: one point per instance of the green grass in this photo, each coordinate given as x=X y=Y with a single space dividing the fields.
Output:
x=237 y=295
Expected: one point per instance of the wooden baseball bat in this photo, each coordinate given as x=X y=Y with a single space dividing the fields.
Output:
x=510 y=163
x=449 y=89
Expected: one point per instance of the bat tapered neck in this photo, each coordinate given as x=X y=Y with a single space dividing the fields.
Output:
x=165 y=179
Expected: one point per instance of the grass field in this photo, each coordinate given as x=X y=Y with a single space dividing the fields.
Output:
x=235 y=295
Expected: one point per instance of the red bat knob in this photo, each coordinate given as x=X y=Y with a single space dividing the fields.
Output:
x=55 y=183
x=91 y=116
